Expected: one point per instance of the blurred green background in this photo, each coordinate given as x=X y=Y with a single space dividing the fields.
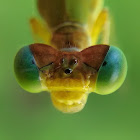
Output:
x=26 y=116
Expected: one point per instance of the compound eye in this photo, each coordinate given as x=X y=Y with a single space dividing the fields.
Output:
x=26 y=70
x=112 y=72
x=29 y=61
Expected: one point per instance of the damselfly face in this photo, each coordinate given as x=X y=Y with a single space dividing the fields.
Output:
x=64 y=71
x=70 y=75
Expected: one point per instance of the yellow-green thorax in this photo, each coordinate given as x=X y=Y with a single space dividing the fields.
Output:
x=70 y=21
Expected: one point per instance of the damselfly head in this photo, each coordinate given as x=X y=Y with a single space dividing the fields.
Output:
x=70 y=76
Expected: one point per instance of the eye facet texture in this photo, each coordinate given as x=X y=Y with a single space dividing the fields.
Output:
x=112 y=72
x=26 y=70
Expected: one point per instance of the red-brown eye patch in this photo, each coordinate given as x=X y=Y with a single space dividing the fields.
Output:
x=94 y=55
x=43 y=54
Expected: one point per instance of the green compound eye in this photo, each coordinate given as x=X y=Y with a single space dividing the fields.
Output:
x=112 y=72
x=26 y=71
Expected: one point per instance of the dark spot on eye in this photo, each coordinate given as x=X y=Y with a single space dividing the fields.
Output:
x=104 y=64
x=33 y=62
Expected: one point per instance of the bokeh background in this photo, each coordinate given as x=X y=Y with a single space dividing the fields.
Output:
x=26 y=116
